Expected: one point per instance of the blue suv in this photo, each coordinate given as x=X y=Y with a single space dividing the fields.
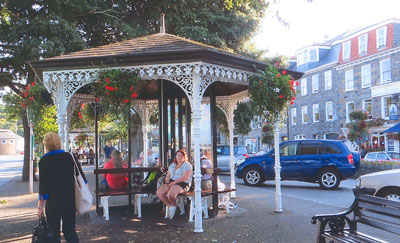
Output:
x=324 y=161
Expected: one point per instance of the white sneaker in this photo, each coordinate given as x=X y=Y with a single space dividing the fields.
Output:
x=166 y=212
x=171 y=212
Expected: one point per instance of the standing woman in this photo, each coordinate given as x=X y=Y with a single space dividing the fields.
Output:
x=178 y=179
x=57 y=188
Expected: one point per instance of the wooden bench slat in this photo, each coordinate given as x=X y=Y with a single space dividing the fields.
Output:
x=373 y=199
x=378 y=217
x=379 y=225
x=379 y=208
x=354 y=237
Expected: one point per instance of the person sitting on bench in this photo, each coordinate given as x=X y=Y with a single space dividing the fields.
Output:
x=178 y=179
x=206 y=182
x=115 y=180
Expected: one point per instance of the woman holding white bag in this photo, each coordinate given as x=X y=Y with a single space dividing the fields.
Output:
x=57 y=188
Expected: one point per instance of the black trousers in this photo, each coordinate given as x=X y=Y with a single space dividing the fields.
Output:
x=55 y=213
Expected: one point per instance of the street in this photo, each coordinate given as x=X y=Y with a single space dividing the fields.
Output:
x=10 y=167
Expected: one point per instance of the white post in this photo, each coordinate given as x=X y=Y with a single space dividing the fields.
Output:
x=231 y=147
x=31 y=159
x=67 y=135
x=196 y=115
x=278 y=194
x=61 y=112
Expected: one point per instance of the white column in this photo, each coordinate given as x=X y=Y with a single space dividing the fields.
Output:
x=144 y=130
x=61 y=111
x=278 y=194
x=231 y=152
x=67 y=123
x=196 y=116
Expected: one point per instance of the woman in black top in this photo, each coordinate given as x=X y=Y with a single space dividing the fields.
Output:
x=57 y=188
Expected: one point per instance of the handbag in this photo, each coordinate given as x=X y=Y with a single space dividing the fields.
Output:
x=83 y=196
x=42 y=232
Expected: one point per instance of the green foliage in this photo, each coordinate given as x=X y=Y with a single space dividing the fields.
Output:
x=242 y=118
x=376 y=122
x=271 y=93
x=267 y=134
x=358 y=128
x=5 y=15
x=9 y=123
x=47 y=123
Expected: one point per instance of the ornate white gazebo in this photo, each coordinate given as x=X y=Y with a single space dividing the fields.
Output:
x=157 y=58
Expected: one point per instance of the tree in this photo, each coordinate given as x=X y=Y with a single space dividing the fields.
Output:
x=40 y=29
x=358 y=128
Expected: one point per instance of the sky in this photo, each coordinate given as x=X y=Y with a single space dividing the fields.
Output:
x=310 y=22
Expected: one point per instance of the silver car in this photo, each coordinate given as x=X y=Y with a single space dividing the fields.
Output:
x=385 y=183
x=223 y=156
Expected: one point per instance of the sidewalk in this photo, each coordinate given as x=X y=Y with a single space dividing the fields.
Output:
x=254 y=220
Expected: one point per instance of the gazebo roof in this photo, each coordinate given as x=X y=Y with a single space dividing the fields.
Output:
x=157 y=48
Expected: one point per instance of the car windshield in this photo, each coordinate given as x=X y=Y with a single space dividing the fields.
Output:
x=394 y=155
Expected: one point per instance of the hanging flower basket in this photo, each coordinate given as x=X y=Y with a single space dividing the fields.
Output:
x=116 y=88
x=271 y=92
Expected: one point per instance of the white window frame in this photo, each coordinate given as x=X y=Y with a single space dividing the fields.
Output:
x=346 y=50
x=328 y=111
x=349 y=79
x=316 y=55
x=363 y=44
x=364 y=102
x=315 y=84
x=11 y=141
x=303 y=86
x=293 y=116
x=3 y=141
x=366 y=76
x=348 y=112
x=382 y=30
x=299 y=137
x=328 y=80
x=315 y=109
x=382 y=71
x=304 y=114
x=383 y=107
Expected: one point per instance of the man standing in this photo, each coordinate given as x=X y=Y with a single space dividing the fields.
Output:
x=108 y=150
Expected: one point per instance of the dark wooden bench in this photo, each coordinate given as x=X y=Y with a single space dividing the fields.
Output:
x=373 y=211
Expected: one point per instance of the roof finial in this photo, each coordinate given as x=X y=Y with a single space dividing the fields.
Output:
x=162 y=24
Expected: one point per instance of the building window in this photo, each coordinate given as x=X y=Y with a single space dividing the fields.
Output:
x=385 y=71
x=349 y=80
x=381 y=37
x=367 y=107
x=307 y=56
x=315 y=84
x=362 y=44
x=313 y=55
x=366 y=76
x=315 y=111
x=329 y=111
x=294 y=116
x=303 y=87
x=299 y=137
x=316 y=136
x=346 y=50
x=11 y=141
x=386 y=102
x=304 y=114
x=3 y=141
x=328 y=80
x=349 y=109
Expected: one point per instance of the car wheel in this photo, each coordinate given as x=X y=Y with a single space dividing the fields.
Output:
x=390 y=194
x=253 y=177
x=329 y=179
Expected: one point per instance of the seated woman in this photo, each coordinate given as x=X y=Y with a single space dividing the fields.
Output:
x=118 y=180
x=206 y=182
x=178 y=179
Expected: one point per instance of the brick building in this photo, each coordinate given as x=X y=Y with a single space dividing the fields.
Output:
x=10 y=143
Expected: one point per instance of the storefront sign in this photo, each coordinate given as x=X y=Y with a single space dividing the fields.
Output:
x=393 y=115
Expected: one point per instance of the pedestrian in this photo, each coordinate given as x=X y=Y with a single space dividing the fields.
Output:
x=206 y=182
x=57 y=188
x=108 y=150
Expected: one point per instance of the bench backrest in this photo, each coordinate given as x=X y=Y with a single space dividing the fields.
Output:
x=379 y=213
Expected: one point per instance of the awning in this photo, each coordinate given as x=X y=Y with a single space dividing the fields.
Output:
x=395 y=128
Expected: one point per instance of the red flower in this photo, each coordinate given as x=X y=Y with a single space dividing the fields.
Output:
x=261 y=82
x=125 y=101
x=107 y=93
x=292 y=82
x=33 y=84
x=278 y=75
x=297 y=83
x=31 y=98
x=97 y=99
x=276 y=63
x=293 y=98
x=284 y=72
x=26 y=94
x=134 y=95
x=80 y=115
x=27 y=88
x=292 y=102
x=107 y=80
x=83 y=106
x=280 y=96
x=131 y=89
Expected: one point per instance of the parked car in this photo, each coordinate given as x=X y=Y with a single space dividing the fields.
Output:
x=223 y=156
x=385 y=183
x=324 y=161
x=382 y=155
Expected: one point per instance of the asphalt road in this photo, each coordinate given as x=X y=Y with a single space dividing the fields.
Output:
x=10 y=168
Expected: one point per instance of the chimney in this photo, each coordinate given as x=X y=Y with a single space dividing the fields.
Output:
x=162 y=24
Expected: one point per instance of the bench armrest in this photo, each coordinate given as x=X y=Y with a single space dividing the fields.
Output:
x=323 y=217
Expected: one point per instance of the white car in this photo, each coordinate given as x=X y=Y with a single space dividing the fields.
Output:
x=382 y=156
x=386 y=183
